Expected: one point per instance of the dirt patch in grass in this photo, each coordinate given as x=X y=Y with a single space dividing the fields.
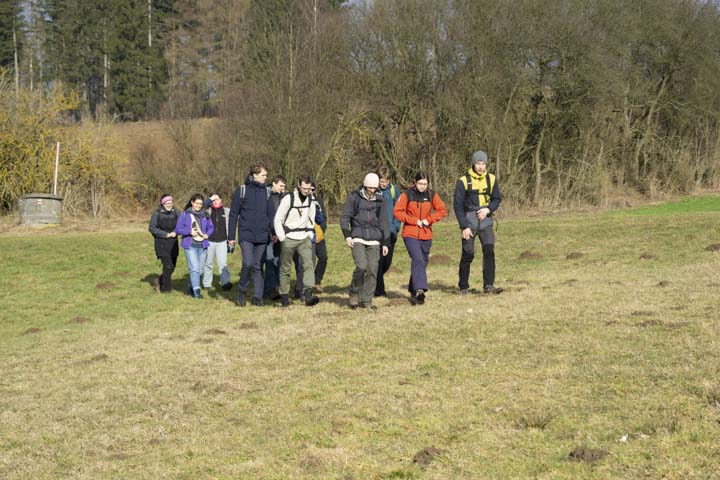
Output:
x=247 y=326
x=425 y=456
x=394 y=269
x=641 y=313
x=569 y=282
x=676 y=325
x=100 y=357
x=663 y=283
x=32 y=330
x=439 y=259
x=715 y=247
x=79 y=319
x=530 y=255
x=122 y=274
x=611 y=322
x=588 y=455
x=574 y=255
x=648 y=256
x=105 y=285
x=650 y=323
x=215 y=331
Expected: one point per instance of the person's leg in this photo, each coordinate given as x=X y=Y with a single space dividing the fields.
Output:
x=322 y=259
x=286 y=262
x=418 y=251
x=468 y=254
x=487 y=240
x=271 y=270
x=247 y=266
x=167 y=271
x=372 y=254
x=384 y=266
x=258 y=253
x=299 y=272
x=193 y=256
x=208 y=265
x=305 y=252
x=358 y=276
x=221 y=255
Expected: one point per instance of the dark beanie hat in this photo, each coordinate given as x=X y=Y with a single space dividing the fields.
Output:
x=478 y=156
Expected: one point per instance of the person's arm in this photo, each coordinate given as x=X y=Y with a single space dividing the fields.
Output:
x=270 y=215
x=183 y=226
x=439 y=210
x=346 y=219
x=458 y=207
x=279 y=217
x=154 y=229
x=323 y=224
x=495 y=198
x=400 y=211
x=210 y=226
x=234 y=212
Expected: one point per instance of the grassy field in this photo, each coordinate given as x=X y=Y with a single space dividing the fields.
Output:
x=600 y=360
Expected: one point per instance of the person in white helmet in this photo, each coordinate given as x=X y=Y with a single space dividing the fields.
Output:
x=366 y=227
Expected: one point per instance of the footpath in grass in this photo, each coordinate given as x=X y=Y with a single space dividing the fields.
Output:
x=600 y=360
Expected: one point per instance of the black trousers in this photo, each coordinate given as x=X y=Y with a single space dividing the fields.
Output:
x=384 y=266
x=322 y=260
x=487 y=240
x=168 y=264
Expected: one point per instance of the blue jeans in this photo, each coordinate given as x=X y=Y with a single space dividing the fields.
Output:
x=195 y=257
x=252 y=257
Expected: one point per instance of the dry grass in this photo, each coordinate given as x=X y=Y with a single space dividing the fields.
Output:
x=122 y=383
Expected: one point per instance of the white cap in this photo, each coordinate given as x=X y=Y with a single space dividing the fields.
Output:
x=371 y=180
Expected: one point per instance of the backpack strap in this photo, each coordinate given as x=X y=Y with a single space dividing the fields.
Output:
x=301 y=207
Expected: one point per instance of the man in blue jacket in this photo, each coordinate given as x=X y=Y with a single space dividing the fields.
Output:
x=252 y=211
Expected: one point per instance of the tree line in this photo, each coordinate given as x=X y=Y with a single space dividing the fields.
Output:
x=576 y=101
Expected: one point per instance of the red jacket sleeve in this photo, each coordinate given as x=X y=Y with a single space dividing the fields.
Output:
x=400 y=211
x=440 y=211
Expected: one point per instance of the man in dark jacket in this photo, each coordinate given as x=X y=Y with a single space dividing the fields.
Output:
x=252 y=212
x=366 y=226
x=272 y=252
x=477 y=196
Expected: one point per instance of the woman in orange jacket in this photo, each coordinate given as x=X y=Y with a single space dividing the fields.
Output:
x=418 y=208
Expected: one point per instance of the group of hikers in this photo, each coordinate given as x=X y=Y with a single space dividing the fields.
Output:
x=276 y=229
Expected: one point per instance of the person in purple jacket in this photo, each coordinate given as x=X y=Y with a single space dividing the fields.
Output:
x=195 y=227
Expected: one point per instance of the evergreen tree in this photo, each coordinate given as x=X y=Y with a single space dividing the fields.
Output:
x=10 y=32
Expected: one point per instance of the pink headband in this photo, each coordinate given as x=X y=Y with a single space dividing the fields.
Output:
x=166 y=198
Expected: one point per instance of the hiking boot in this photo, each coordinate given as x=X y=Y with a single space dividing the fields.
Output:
x=241 y=300
x=310 y=299
x=257 y=302
x=491 y=290
x=354 y=301
x=227 y=286
x=380 y=294
x=420 y=295
x=318 y=289
x=284 y=301
x=464 y=292
x=298 y=295
x=197 y=294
